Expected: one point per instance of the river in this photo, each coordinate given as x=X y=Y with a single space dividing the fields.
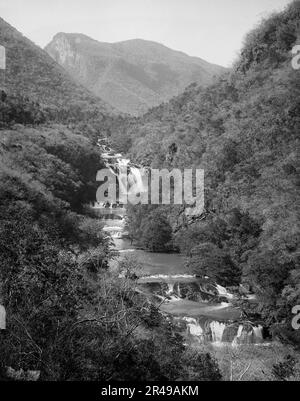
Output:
x=203 y=310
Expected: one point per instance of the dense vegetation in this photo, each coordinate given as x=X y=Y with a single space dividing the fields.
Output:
x=132 y=75
x=31 y=72
x=68 y=316
x=244 y=132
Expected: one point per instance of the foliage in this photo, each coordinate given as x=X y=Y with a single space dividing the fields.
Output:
x=67 y=316
x=243 y=131
x=149 y=227
x=285 y=369
x=209 y=260
x=20 y=110
x=129 y=267
x=33 y=73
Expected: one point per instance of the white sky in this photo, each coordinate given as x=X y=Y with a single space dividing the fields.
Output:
x=210 y=29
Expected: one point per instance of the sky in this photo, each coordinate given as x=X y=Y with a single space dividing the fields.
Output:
x=211 y=29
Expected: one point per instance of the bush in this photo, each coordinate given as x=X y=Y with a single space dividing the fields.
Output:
x=156 y=232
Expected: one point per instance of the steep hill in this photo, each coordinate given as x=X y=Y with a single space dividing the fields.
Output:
x=244 y=132
x=31 y=72
x=133 y=75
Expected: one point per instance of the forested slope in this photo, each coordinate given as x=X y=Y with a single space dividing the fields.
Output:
x=244 y=132
x=132 y=75
x=32 y=73
x=67 y=316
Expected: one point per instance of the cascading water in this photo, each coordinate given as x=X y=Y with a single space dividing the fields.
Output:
x=221 y=333
x=202 y=327
x=258 y=332
x=194 y=327
x=179 y=291
x=223 y=292
x=238 y=335
x=217 y=330
x=117 y=234
x=200 y=298
x=170 y=289
x=171 y=293
x=131 y=179
x=135 y=179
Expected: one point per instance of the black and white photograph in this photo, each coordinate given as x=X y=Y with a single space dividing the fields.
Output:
x=149 y=194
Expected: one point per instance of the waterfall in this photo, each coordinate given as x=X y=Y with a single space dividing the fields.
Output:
x=219 y=333
x=2 y=318
x=240 y=329
x=223 y=292
x=117 y=234
x=170 y=288
x=112 y=229
x=246 y=335
x=179 y=291
x=239 y=334
x=258 y=332
x=131 y=183
x=123 y=162
x=137 y=181
x=217 y=330
x=171 y=293
x=194 y=327
x=184 y=288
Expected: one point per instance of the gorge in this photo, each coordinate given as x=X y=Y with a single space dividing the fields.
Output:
x=201 y=309
x=101 y=291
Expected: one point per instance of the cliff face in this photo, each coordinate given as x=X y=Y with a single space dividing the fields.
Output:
x=132 y=76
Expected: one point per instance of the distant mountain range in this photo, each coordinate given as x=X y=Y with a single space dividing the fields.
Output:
x=31 y=72
x=132 y=76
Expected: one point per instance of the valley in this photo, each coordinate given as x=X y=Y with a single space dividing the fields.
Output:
x=100 y=290
x=194 y=303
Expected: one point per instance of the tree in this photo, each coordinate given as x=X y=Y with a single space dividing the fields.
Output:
x=209 y=260
x=156 y=232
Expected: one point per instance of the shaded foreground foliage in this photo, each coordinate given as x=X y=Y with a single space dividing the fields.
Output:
x=67 y=315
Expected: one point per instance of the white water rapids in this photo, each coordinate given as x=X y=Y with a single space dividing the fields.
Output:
x=205 y=319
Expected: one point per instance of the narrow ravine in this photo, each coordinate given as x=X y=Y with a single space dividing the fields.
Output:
x=201 y=309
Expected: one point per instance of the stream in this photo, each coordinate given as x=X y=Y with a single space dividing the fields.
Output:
x=201 y=309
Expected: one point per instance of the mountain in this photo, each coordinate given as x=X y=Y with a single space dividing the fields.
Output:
x=132 y=76
x=31 y=72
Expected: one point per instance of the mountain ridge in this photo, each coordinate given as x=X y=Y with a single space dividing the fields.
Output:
x=132 y=75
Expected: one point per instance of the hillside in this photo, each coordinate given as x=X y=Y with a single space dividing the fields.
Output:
x=32 y=73
x=244 y=132
x=133 y=75
x=65 y=315
x=55 y=285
